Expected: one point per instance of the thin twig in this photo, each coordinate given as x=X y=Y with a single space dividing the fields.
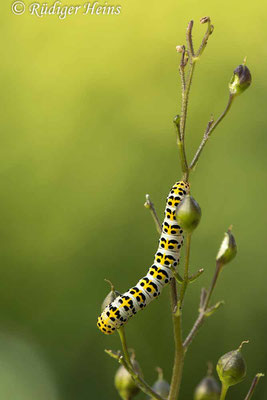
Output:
x=126 y=354
x=150 y=206
x=189 y=39
x=176 y=275
x=204 y=311
x=139 y=380
x=210 y=128
x=253 y=385
x=193 y=277
x=185 y=95
x=206 y=36
x=136 y=377
x=186 y=269
x=177 y=325
x=181 y=147
x=182 y=67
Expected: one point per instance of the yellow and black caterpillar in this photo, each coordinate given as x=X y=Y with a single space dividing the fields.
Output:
x=117 y=313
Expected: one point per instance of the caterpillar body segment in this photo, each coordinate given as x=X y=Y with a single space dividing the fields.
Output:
x=117 y=313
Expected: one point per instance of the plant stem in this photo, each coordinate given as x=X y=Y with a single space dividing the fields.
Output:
x=253 y=386
x=126 y=362
x=224 y=391
x=180 y=144
x=140 y=381
x=189 y=39
x=210 y=128
x=150 y=206
x=185 y=96
x=184 y=165
x=213 y=284
x=205 y=39
x=177 y=327
x=178 y=357
x=182 y=67
x=186 y=269
x=121 y=332
x=202 y=312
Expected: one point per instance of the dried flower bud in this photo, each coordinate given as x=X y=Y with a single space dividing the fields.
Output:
x=161 y=386
x=124 y=382
x=204 y=20
x=240 y=81
x=179 y=49
x=188 y=214
x=231 y=367
x=111 y=296
x=228 y=248
x=207 y=389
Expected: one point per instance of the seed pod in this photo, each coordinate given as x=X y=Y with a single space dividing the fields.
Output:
x=124 y=383
x=111 y=296
x=188 y=214
x=207 y=389
x=231 y=367
x=240 y=81
x=161 y=386
x=228 y=248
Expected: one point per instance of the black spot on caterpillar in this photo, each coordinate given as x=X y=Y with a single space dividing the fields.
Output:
x=117 y=313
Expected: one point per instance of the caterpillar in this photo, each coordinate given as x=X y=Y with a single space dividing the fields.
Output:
x=117 y=313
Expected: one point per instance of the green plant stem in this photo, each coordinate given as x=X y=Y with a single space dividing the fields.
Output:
x=122 y=335
x=203 y=309
x=184 y=165
x=213 y=284
x=210 y=128
x=126 y=362
x=194 y=277
x=253 y=386
x=185 y=97
x=180 y=144
x=224 y=391
x=177 y=327
x=186 y=85
x=189 y=40
x=150 y=206
x=178 y=357
x=186 y=270
x=205 y=39
x=182 y=67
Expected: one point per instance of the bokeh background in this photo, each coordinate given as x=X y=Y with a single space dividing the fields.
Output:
x=86 y=131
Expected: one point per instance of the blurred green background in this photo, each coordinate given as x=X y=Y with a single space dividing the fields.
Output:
x=86 y=113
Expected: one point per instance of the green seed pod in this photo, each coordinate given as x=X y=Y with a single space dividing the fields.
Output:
x=111 y=296
x=188 y=214
x=231 y=367
x=207 y=389
x=161 y=386
x=240 y=81
x=228 y=248
x=124 y=382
